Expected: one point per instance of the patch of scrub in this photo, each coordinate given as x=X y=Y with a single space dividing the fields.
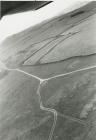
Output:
x=91 y=106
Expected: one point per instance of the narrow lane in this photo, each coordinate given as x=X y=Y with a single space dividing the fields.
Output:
x=55 y=113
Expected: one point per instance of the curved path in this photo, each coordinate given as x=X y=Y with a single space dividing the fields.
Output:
x=55 y=113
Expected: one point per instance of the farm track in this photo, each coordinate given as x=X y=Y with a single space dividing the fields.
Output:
x=55 y=113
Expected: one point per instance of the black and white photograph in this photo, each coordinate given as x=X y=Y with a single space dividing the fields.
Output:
x=47 y=70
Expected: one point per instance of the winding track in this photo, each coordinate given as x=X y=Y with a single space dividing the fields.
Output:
x=55 y=113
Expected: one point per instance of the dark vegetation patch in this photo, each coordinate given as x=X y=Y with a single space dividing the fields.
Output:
x=77 y=13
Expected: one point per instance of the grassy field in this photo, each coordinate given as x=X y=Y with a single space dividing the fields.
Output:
x=64 y=44
x=74 y=98
x=52 y=69
x=60 y=38
x=20 y=114
x=69 y=130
